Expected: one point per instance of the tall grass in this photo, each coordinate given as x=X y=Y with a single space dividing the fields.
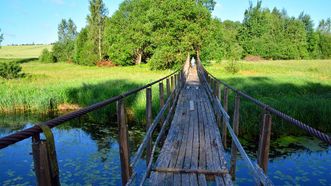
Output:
x=301 y=89
x=69 y=84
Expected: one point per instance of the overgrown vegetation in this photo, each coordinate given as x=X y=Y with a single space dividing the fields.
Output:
x=77 y=86
x=10 y=70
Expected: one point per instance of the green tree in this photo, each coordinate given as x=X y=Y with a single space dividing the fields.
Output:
x=324 y=33
x=96 y=24
x=63 y=49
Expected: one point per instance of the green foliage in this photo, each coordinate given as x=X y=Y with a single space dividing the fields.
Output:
x=10 y=70
x=141 y=29
x=232 y=67
x=272 y=34
x=63 y=49
x=47 y=56
x=96 y=24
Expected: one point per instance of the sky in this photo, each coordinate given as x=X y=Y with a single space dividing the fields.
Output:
x=36 y=21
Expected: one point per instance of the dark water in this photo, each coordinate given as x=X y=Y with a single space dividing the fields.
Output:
x=88 y=155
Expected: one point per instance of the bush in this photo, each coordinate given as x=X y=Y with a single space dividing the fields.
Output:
x=232 y=67
x=10 y=70
x=47 y=57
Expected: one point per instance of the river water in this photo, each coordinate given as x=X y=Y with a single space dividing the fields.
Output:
x=88 y=155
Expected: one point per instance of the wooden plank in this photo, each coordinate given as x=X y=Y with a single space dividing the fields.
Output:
x=210 y=127
x=202 y=149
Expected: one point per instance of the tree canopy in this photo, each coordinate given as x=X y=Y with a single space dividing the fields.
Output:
x=163 y=33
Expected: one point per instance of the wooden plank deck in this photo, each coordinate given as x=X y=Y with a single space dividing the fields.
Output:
x=193 y=142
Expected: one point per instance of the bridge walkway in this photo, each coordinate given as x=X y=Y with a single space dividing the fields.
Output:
x=192 y=153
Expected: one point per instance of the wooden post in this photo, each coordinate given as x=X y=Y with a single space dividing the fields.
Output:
x=225 y=105
x=161 y=97
x=45 y=173
x=172 y=83
x=264 y=142
x=236 y=131
x=123 y=142
x=148 y=122
x=168 y=87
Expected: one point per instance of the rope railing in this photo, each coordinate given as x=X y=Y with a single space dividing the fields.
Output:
x=24 y=134
x=310 y=130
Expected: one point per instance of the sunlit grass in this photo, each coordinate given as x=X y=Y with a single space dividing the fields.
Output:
x=302 y=89
x=72 y=84
x=26 y=51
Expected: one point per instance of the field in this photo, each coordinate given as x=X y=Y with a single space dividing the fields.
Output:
x=26 y=51
x=302 y=89
x=70 y=86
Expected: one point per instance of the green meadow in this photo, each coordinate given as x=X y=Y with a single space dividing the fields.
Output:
x=301 y=89
x=66 y=86
x=23 y=51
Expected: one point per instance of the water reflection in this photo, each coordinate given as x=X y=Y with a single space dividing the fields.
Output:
x=87 y=153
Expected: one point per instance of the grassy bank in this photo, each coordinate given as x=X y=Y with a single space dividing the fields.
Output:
x=24 y=51
x=302 y=89
x=70 y=86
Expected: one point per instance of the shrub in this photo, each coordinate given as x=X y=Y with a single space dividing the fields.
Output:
x=232 y=67
x=10 y=70
x=47 y=57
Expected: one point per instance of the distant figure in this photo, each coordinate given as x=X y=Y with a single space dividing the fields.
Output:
x=192 y=62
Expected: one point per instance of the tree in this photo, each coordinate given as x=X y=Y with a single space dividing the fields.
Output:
x=312 y=37
x=1 y=38
x=96 y=24
x=324 y=34
x=63 y=49
x=148 y=31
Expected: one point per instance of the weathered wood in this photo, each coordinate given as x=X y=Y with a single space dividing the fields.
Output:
x=123 y=142
x=172 y=83
x=149 y=121
x=161 y=97
x=236 y=131
x=264 y=142
x=41 y=162
x=225 y=106
x=45 y=160
x=197 y=171
x=191 y=143
x=168 y=87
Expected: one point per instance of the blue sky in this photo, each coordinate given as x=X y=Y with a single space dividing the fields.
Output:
x=28 y=21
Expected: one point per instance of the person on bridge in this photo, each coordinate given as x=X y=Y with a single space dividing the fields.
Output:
x=192 y=62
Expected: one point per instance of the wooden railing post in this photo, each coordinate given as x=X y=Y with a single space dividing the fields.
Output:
x=45 y=160
x=168 y=87
x=264 y=142
x=123 y=142
x=148 y=121
x=172 y=83
x=225 y=106
x=236 y=131
x=161 y=97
